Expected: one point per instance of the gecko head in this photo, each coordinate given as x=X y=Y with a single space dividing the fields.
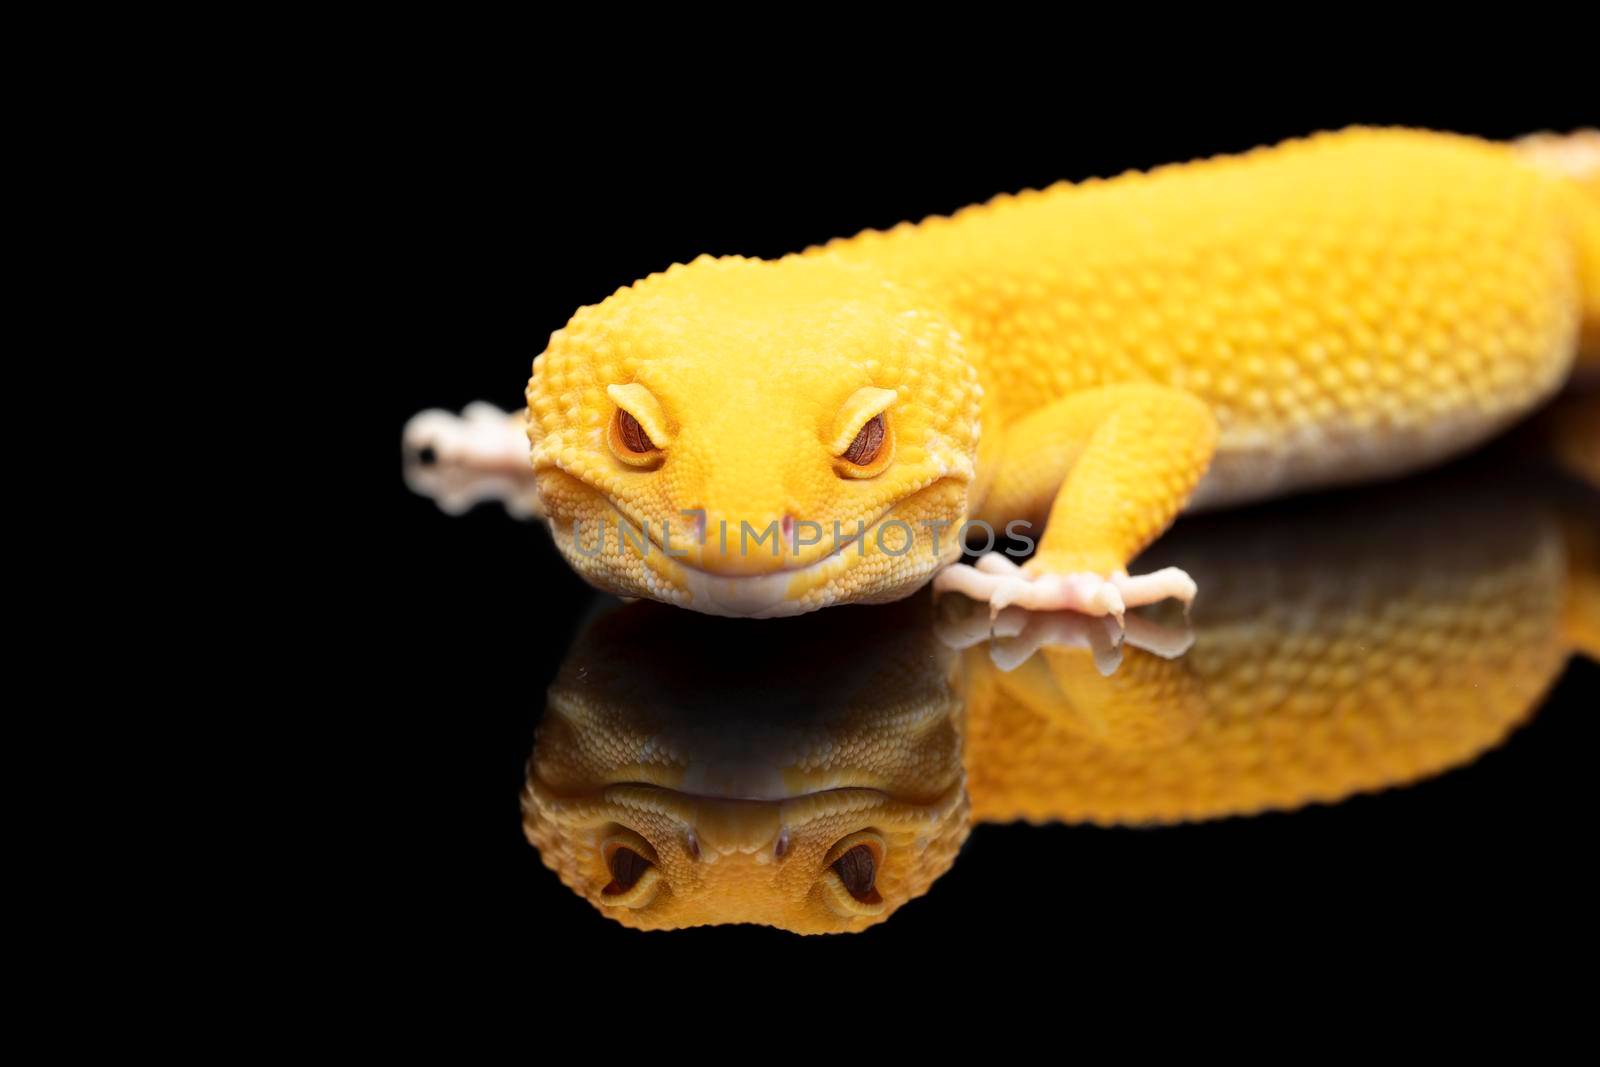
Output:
x=758 y=438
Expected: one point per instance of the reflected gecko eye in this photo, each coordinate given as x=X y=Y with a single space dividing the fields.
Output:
x=627 y=867
x=868 y=443
x=858 y=871
x=634 y=439
x=849 y=883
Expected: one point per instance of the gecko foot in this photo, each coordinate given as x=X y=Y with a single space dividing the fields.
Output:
x=1015 y=634
x=482 y=437
x=459 y=461
x=999 y=582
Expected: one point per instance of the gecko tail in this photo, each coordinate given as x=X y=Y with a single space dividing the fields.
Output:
x=1574 y=158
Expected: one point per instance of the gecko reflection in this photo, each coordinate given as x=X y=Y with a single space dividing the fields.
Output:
x=694 y=770
x=817 y=773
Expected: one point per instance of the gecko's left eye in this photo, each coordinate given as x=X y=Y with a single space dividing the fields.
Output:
x=858 y=873
x=868 y=443
x=850 y=880
x=863 y=439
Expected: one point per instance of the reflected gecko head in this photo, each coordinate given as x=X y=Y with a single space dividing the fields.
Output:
x=687 y=774
x=732 y=412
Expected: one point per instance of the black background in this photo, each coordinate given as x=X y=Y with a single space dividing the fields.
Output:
x=498 y=222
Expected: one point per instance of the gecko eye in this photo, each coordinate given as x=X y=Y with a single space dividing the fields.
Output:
x=631 y=443
x=850 y=880
x=634 y=439
x=858 y=871
x=627 y=867
x=862 y=443
x=869 y=443
x=631 y=863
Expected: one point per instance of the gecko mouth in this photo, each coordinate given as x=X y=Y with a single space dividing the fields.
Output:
x=774 y=594
x=777 y=594
x=764 y=595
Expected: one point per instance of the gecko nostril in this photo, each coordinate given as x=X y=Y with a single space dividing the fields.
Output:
x=788 y=528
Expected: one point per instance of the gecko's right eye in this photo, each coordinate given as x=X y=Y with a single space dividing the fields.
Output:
x=633 y=436
x=868 y=443
x=627 y=867
x=639 y=429
x=630 y=441
x=631 y=864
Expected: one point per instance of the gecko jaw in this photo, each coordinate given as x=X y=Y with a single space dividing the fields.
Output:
x=783 y=592
x=758 y=596
x=888 y=568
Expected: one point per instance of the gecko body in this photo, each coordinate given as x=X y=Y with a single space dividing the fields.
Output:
x=1088 y=361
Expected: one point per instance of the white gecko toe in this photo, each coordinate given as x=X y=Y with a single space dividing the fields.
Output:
x=1087 y=594
x=481 y=437
x=1060 y=629
x=1168 y=583
x=1016 y=634
x=1000 y=583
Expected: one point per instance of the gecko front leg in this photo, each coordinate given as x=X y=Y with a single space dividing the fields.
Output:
x=1112 y=467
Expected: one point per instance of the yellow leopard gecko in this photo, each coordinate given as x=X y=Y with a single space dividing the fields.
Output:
x=760 y=438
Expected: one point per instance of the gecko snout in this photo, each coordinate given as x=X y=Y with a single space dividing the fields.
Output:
x=762 y=542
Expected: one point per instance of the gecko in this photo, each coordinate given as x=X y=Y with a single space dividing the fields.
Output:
x=1073 y=367
x=1359 y=644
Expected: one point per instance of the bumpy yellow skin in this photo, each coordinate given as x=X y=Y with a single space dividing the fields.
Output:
x=1333 y=655
x=1419 y=637
x=1095 y=356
